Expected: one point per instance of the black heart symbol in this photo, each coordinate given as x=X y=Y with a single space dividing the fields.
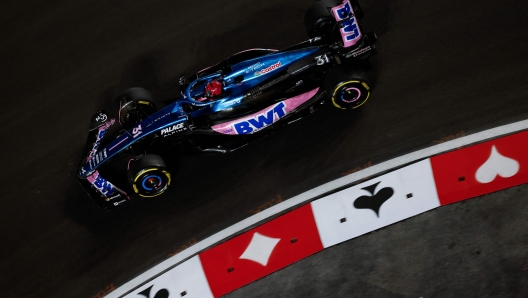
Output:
x=375 y=201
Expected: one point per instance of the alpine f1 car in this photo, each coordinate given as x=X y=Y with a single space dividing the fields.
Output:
x=225 y=106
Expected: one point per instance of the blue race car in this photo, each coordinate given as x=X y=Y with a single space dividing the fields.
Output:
x=225 y=106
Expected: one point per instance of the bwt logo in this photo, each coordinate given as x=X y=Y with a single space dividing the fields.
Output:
x=105 y=187
x=261 y=120
x=350 y=27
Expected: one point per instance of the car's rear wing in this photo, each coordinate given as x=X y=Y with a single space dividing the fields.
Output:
x=356 y=43
x=348 y=23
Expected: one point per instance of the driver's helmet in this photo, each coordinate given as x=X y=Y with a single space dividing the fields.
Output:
x=213 y=88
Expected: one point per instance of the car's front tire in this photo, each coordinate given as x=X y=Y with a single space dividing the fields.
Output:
x=135 y=104
x=148 y=176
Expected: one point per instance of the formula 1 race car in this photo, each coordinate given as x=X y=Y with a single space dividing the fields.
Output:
x=225 y=106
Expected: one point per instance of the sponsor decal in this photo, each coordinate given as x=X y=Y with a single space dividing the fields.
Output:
x=104 y=187
x=136 y=131
x=259 y=121
x=230 y=103
x=350 y=31
x=182 y=80
x=173 y=129
x=255 y=122
x=268 y=69
x=98 y=158
x=358 y=52
x=254 y=67
x=101 y=117
x=99 y=138
x=157 y=119
x=314 y=39
x=118 y=203
x=108 y=199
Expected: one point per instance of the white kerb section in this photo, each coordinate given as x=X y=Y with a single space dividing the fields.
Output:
x=367 y=207
x=317 y=191
x=186 y=280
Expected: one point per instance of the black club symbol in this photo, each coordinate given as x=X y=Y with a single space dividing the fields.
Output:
x=163 y=293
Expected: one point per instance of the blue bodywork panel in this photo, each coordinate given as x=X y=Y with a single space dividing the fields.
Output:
x=243 y=76
x=253 y=71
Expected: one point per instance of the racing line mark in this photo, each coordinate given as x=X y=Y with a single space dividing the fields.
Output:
x=357 y=169
x=183 y=247
x=267 y=205
x=450 y=137
x=104 y=292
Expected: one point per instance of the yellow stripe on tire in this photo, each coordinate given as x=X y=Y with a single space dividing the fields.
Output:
x=347 y=82
x=167 y=174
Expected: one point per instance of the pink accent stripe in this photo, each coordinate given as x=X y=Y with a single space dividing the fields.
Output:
x=118 y=143
x=291 y=104
x=92 y=177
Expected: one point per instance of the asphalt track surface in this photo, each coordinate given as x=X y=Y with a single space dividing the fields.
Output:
x=444 y=69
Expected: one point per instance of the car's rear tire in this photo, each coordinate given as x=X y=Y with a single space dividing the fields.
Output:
x=148 y=176
x=135 y=104
x=347 y=89
x=318 y=19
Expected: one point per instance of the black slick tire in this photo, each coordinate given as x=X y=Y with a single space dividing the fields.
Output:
x=318 y=19
x=148 y=176
x=135 y=104
x=347 y=89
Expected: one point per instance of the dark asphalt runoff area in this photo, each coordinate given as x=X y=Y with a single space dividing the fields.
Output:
x=444 y=69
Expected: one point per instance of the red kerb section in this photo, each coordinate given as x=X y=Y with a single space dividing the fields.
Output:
x=482 y=168
x=289 y=238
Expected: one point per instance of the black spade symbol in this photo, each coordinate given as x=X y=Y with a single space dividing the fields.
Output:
x=375 y=201
x=163 y=293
